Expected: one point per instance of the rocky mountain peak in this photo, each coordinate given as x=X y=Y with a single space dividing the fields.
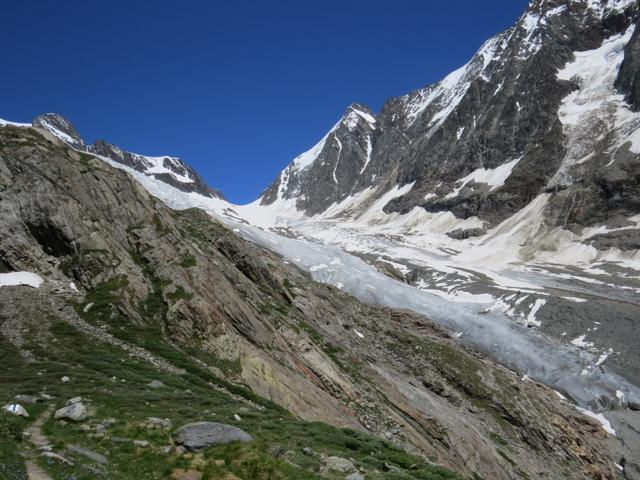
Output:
x=170 y=170
x=331 y=169
x=358 y=115
x=490 y=137
x=61 y=127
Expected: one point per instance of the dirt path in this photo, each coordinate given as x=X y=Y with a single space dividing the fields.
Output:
x=39 y=442
x=34 y=472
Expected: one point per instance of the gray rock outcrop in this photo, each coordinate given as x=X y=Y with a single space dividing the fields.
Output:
x=354 y=476
x=16 y=409
x=335 y=464
x=90 y=454
x=74 y=410
x=196 y=436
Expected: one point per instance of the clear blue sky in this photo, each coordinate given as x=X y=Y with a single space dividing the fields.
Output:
x=236 y=88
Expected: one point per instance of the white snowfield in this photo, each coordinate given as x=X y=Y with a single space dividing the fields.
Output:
x=596 y=109
x=157 y=165
x=494 y=177
x=13 y=279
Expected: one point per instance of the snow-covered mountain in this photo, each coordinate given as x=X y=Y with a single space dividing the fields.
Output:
x=517 y=176
x=523 y=119
x=100 y=280
x=513 y=184
x=331 y=169
x=167 y=169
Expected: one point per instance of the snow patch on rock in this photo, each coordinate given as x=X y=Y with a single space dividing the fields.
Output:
x=600 y=418
x=494 y=177
x=20 y=278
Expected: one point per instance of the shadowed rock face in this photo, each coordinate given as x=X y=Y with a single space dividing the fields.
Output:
x=628 y=81
x=309 y=347
x=502 y=107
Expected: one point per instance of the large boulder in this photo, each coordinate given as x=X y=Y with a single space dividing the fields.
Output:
x=16 y=409
x=355 y=476
x=155 y=422
x=464 y=233
x=30 y=399
x=337 y=465
x=195 y=436
x=90 y=454
x=74 y=410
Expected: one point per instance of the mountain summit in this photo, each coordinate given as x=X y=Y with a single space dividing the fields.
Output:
x=332 y=168
x=521 y=119
x=170 y=170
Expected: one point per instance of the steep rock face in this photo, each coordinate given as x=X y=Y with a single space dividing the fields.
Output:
x=310 y=347
x=71 y=216
x=331 y=170
x=505 y=128
x=492 y=140
x=61 y=127
x=628 y=81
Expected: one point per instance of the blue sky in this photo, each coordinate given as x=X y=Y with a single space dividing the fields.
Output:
x=237 y=89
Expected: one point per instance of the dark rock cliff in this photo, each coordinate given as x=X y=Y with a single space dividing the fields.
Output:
x=628 y=81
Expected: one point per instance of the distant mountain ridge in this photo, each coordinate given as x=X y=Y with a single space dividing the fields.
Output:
x=170 y=170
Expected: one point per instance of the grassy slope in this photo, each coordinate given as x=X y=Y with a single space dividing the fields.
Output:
x=115 y=386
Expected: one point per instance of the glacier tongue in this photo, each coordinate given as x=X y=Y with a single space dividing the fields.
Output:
x=490 y=330
x=521 y=349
